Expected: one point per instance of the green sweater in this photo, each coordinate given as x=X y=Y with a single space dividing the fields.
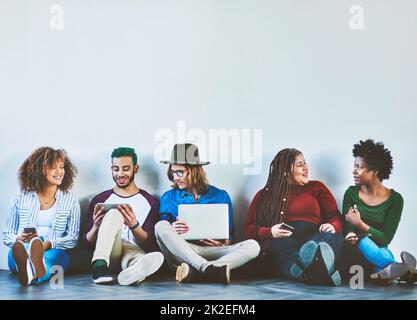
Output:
x=382 y=219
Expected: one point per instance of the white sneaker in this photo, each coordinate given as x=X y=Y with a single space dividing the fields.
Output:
x=23 y=264
x=107 y=279
x=147 y=265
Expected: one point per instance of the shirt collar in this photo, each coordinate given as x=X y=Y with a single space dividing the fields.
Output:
x=184 y=193
x=58 y=194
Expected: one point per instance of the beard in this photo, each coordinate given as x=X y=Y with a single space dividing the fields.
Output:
x=131 y=179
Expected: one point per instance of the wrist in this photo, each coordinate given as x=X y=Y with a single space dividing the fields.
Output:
x=94 y=230
x=363 y=226
x=136 y=225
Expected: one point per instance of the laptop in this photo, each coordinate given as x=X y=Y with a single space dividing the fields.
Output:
x=205 y=221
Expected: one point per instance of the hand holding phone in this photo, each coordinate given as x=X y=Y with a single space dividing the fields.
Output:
x=285 y=226
x=27 y=234
x=29 y=230
x=358 y=236
x=280 y=231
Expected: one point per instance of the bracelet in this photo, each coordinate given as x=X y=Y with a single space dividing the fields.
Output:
x=137 y=224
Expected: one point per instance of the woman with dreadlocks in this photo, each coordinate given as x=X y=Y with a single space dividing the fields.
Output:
x=297 y=223
x=372 y=213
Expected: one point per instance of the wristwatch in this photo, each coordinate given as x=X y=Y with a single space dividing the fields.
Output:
x=137 y=224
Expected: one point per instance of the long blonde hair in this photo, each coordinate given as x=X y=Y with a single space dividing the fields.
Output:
x=197 y=178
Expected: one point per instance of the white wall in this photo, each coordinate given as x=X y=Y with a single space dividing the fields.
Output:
x=121 y=70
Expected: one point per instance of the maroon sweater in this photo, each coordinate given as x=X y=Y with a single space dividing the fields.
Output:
x=312 y=202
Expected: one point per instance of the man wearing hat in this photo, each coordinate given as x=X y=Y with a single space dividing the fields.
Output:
x=211 y=259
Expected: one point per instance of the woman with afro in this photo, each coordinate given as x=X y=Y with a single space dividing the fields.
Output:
x=372 y=213
x=44 y=219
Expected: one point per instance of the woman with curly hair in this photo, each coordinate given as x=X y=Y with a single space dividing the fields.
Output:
x=44 y=220
x=372 y=213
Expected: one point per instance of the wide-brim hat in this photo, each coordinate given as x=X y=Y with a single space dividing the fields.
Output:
x=185 y=153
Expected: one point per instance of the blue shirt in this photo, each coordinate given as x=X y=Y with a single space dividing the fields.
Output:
x=170 y=200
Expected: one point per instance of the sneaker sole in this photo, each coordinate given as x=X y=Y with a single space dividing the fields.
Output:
x=36 y=252
x=410 y=260
x=308 y=253
x=182 y=272
x=21 y=259
x=328 y=257
x=227 y=274
x=104 y=280
x=147 y=265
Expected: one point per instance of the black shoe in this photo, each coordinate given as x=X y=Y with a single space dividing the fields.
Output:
x=387 y=275
x=101 y=273
x=185 y=273
x=322 y=270
x=217 y=274
x=409 y=277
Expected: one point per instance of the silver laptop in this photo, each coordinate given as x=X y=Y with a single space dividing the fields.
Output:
x=205 y=221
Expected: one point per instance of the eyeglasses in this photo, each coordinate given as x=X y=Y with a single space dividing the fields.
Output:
x=179 y=173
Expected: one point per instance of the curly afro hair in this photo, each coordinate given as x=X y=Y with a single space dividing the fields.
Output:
x=376 y=156
x=32 y=173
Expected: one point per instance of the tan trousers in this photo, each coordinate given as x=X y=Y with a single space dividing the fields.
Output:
x=110 y=246
x=176 y=250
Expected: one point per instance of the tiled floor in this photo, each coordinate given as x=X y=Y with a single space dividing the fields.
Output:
x=81 y=287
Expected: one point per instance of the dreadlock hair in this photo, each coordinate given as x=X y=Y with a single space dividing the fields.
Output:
x=376 y=156
x=272 y=202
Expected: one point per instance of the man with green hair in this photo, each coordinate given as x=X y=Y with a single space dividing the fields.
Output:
x=121 y=224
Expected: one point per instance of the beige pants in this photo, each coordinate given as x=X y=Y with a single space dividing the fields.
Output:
x=110 y=246
x=176 y=250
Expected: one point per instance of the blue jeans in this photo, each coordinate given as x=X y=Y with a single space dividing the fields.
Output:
x=380 y=257
x=51 y=257
x=282 y=253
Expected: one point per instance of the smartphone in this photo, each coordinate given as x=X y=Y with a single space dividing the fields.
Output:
x=359 y=236
x=285 y=226
x=29 y=230
x=109 y=206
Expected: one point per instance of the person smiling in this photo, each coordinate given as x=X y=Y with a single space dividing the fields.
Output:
x=297 y=222
x=208 y=259
x=123 y=236
x=44 y=220
x=372 y=213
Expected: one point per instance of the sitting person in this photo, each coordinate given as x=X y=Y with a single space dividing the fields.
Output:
x=372 y=213
x=208 y=258
x=44 y=220
x=297 y=223
x=123 y=236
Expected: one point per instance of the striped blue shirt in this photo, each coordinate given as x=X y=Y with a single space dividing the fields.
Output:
x=65 y=222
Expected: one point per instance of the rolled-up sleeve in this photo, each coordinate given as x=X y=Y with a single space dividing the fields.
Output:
x=70 y=240
x=12 y=225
